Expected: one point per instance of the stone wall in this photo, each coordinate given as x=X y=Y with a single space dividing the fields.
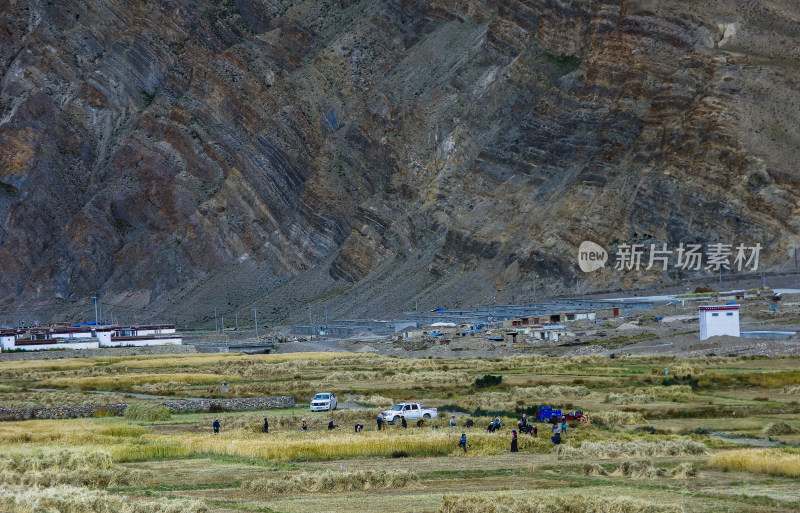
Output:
x=95 y=353
x=69 y=412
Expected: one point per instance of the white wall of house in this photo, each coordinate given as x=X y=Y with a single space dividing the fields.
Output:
x=719 y=320
x=71 y=334
x=166 y=341
x=157 y=330
x=59 y=345
x=7 y=342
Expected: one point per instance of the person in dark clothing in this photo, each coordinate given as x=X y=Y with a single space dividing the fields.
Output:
x=463 y=442
x=359 y=427
x=215 y=425
x=331 y=425
x=470 y=423
x=404 y=423
x=380 y=422
x=266 y=425
x=514 y=441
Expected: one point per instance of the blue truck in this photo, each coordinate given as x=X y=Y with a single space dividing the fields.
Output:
x=547 y=414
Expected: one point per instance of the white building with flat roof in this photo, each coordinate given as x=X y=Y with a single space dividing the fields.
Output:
x=719 y=320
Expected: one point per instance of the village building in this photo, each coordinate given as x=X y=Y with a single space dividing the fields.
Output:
x=85 y=337
x=719 y=320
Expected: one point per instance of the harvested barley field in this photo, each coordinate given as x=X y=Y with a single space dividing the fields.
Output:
x=657 y=444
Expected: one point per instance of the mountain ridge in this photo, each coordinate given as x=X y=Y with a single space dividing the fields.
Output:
x=172 y=157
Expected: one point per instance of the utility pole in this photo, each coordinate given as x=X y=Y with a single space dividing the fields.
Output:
x=95 y=309
x=584 y=296
x=255 y=320
x=216 y=326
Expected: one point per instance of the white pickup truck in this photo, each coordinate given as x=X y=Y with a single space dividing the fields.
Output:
x=325 y=401
x=411 y=411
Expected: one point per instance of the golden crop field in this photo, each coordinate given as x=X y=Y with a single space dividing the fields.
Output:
x=718 y=434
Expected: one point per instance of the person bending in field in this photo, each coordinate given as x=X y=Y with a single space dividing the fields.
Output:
x=215 y=425
x=463 y=442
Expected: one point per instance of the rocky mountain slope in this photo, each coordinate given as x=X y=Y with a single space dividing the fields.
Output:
x=173 y=156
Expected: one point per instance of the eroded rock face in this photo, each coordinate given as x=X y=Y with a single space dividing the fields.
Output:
x=154 y=152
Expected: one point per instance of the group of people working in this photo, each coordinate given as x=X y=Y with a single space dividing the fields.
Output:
x=523 y=425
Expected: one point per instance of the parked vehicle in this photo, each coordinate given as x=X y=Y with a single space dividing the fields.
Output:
x=411 y=411
x=548 y=414
x=324 y=401
x=576 y=415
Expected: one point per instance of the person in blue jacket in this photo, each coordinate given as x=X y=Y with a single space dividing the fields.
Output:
x=463 y=442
